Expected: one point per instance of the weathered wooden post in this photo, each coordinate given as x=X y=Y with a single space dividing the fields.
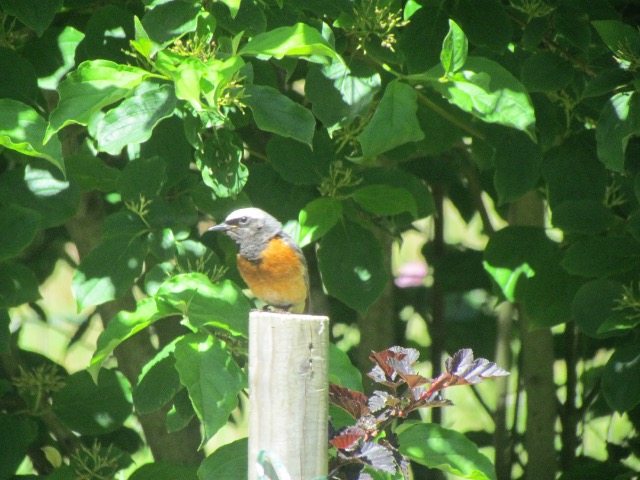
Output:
x=288 y=395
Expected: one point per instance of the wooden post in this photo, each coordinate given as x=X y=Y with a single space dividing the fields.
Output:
x=288 y=395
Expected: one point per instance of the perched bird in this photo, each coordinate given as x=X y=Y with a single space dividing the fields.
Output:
x=269 y=260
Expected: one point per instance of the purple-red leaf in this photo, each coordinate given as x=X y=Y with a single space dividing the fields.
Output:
x=378 y=457
x=462 y=369
x=352 y=402
x=348 y=439
x=392 y=362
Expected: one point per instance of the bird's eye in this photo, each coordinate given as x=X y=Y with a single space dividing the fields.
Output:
x=243 y=220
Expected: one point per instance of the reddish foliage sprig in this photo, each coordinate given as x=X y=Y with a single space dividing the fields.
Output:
x=370 y=442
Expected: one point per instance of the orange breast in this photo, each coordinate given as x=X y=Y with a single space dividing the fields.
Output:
x=279 y=279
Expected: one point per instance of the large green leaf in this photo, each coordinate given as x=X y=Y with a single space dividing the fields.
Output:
x=317 y=218
x=212 y=377
x=164 y=470
x=352 y=265
x=18 y=79
x=158 y=382
x=220 y=163
x=135 y=118
x=119 y=328
x=620 y=384
x=40 y=186
x=299 y=40
x=621 y=38
x=23 y=130
x=228 y=461
x=602 y=256
x=486 y=23
x=385 y=200
x=594 y=304
x=168 y=21
x=19 y=226
x=91 y=408
x=108 y=271
x=431 y=445
x=298 y=163
x=18 y=285
x=587 y=217
x=454 y=49
x=142 y=178
x=338 y=92
x=341 y=371
x=94 y=85
x=546 y=72
x=488 y=91
x=18 y=433
x=619 y=121
x=277 y=113
x=35 y=14
x=203 y=303
x=393 y=123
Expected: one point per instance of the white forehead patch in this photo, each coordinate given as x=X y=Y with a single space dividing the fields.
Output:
x=248 y=212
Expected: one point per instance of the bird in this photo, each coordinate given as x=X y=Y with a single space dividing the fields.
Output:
x=269 y=261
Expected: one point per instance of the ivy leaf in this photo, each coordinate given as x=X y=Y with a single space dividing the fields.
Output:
x=299 y=40
x=276 y=113
x=212 y=377
x=454 y=49
x=95 y=84
x=394 y=122
x=619 y=121
x=23 y=130
x=134 y=119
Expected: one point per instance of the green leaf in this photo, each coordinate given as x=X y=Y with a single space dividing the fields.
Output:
x=212 y=377
x=220 y=163
x=431 y=445
x=352 y=265
x=158 y=382
x=166 y=22
x=488 y=91
x=135 y=118
x=164 y=470
x=23 y=130
x=546 y=72
x=181 y=412
x=18 y=435
x=602 y=256
x=385 y=200
x=393 y=123
x=299 y=40
x=108 y=33
x=317 y=218
x=518 y=161
x=234 y=6
x=341 y=371
x=18 y=79
x=508 y=278
x=40 y=187
x=338 y=92
x=594 y=303
x=572 y=171
x=142 y=178
x=18 y=285
x=108 y=271
x=298 y=163
x=619 y=121
x=276 y=113
x=60 y=46
x=485 y=23
x=620 y=37
x=203 y=303
x=119 y=328
x=620 y=377
x=586 y=217
x=90 y=172
x=94 y=85
x=228 y=461
x=90 y=408
x=19 y=226
x=5 y=345
x=35 y=14
x=454 y=49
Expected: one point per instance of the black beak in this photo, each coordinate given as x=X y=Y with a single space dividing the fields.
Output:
x=221 y=227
